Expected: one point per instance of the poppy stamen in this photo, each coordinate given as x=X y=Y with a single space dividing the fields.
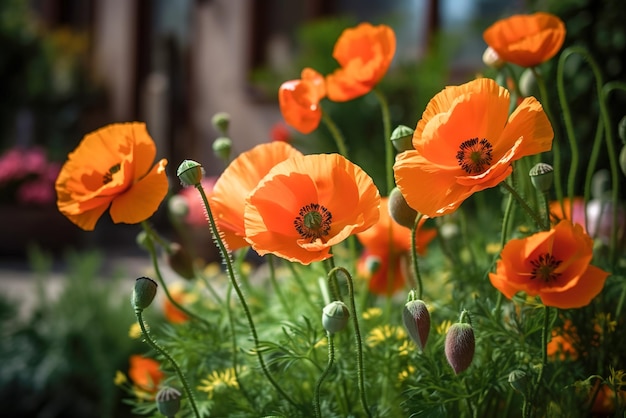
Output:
x=474 y=156
x=313 y=221
x=543 y=268
x=108 y=176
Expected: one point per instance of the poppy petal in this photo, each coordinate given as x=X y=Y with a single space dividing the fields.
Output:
x=143 y=198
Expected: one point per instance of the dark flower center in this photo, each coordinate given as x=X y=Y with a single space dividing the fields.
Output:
x=313 y=221
x=474 y=155
x=543 y=268
x=108 y=176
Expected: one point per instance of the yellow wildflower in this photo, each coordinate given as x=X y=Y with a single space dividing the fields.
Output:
x=120 y=378
x=135 y=331
x=217 y=381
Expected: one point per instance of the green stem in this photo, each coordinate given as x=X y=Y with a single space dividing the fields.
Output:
x=336 y=134
x=527 y=408
x=416 y=269
x=226 y=257
x=389 y=154
x=524 y=205
x=157 y=270
x=318 y=386
x=569 y=125
x=503 y=238
x=556 y=145
x=279 y=293
x=164 y=353
x=357 y=337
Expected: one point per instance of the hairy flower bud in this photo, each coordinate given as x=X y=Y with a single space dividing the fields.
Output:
x=492 y=59
x=335 y=316
x=518 y=379
x=528 y=83
x=143 y=293
x=542 y=176
x=459 y=346
x=178 y=207
x=221 y=122
x=168 y=401
x=222 y=147
x=402 y=138
x=399 y=210
x=416 y=321
x=180 y=260
x=190 y=173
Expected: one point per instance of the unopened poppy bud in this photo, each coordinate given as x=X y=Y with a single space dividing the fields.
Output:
x=399 y=210
x=178 y=206
x=222 y=147
x=542 y=177
x=168 y=401
x=518 y=379
x=221 y=122
x=622 y=159
x=460 y=345
x=492 y=59
x=372 y=264
x=190 y=173
x=335 y=316
x=528 y=83
x=142 y=240
x=621 y=129
x=180 y=260
x=416 y=320
x=143 y=293
x=402 y=138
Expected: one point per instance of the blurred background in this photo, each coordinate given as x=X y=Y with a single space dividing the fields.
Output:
x=68 y=67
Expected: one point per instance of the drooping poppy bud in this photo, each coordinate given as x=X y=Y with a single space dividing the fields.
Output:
x=518 y=379
x=143 y=293
x=180 y=260
x=168 y=401
x=542 y=176
x=402 y=138
x=335 y=316
x=416 y=320
x=399 y=210
x=222 y=147
x=459 y=346
x=221 y=122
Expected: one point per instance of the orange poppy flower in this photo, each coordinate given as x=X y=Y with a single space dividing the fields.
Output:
x=553 y=265
x=364 y=54
x=526 y=40
x=307 y=204
x=145 y=373
x=391 y=249
x=299 y=101
x=563 y=342
x=466 y=142
x=240 y=177
x=171 y=312
x=112 y=167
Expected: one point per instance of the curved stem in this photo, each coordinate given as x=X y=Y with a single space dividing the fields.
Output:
x=389 y=154
x=226 y=257
x=357 y=336
x=524 y=205
x=279 y=292
x=161 y=350
x=336 y=134
x=416 y=269
x=318 y=385
x=157 y=270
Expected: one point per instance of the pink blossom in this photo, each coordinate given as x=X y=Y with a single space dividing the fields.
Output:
x=197 y=215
